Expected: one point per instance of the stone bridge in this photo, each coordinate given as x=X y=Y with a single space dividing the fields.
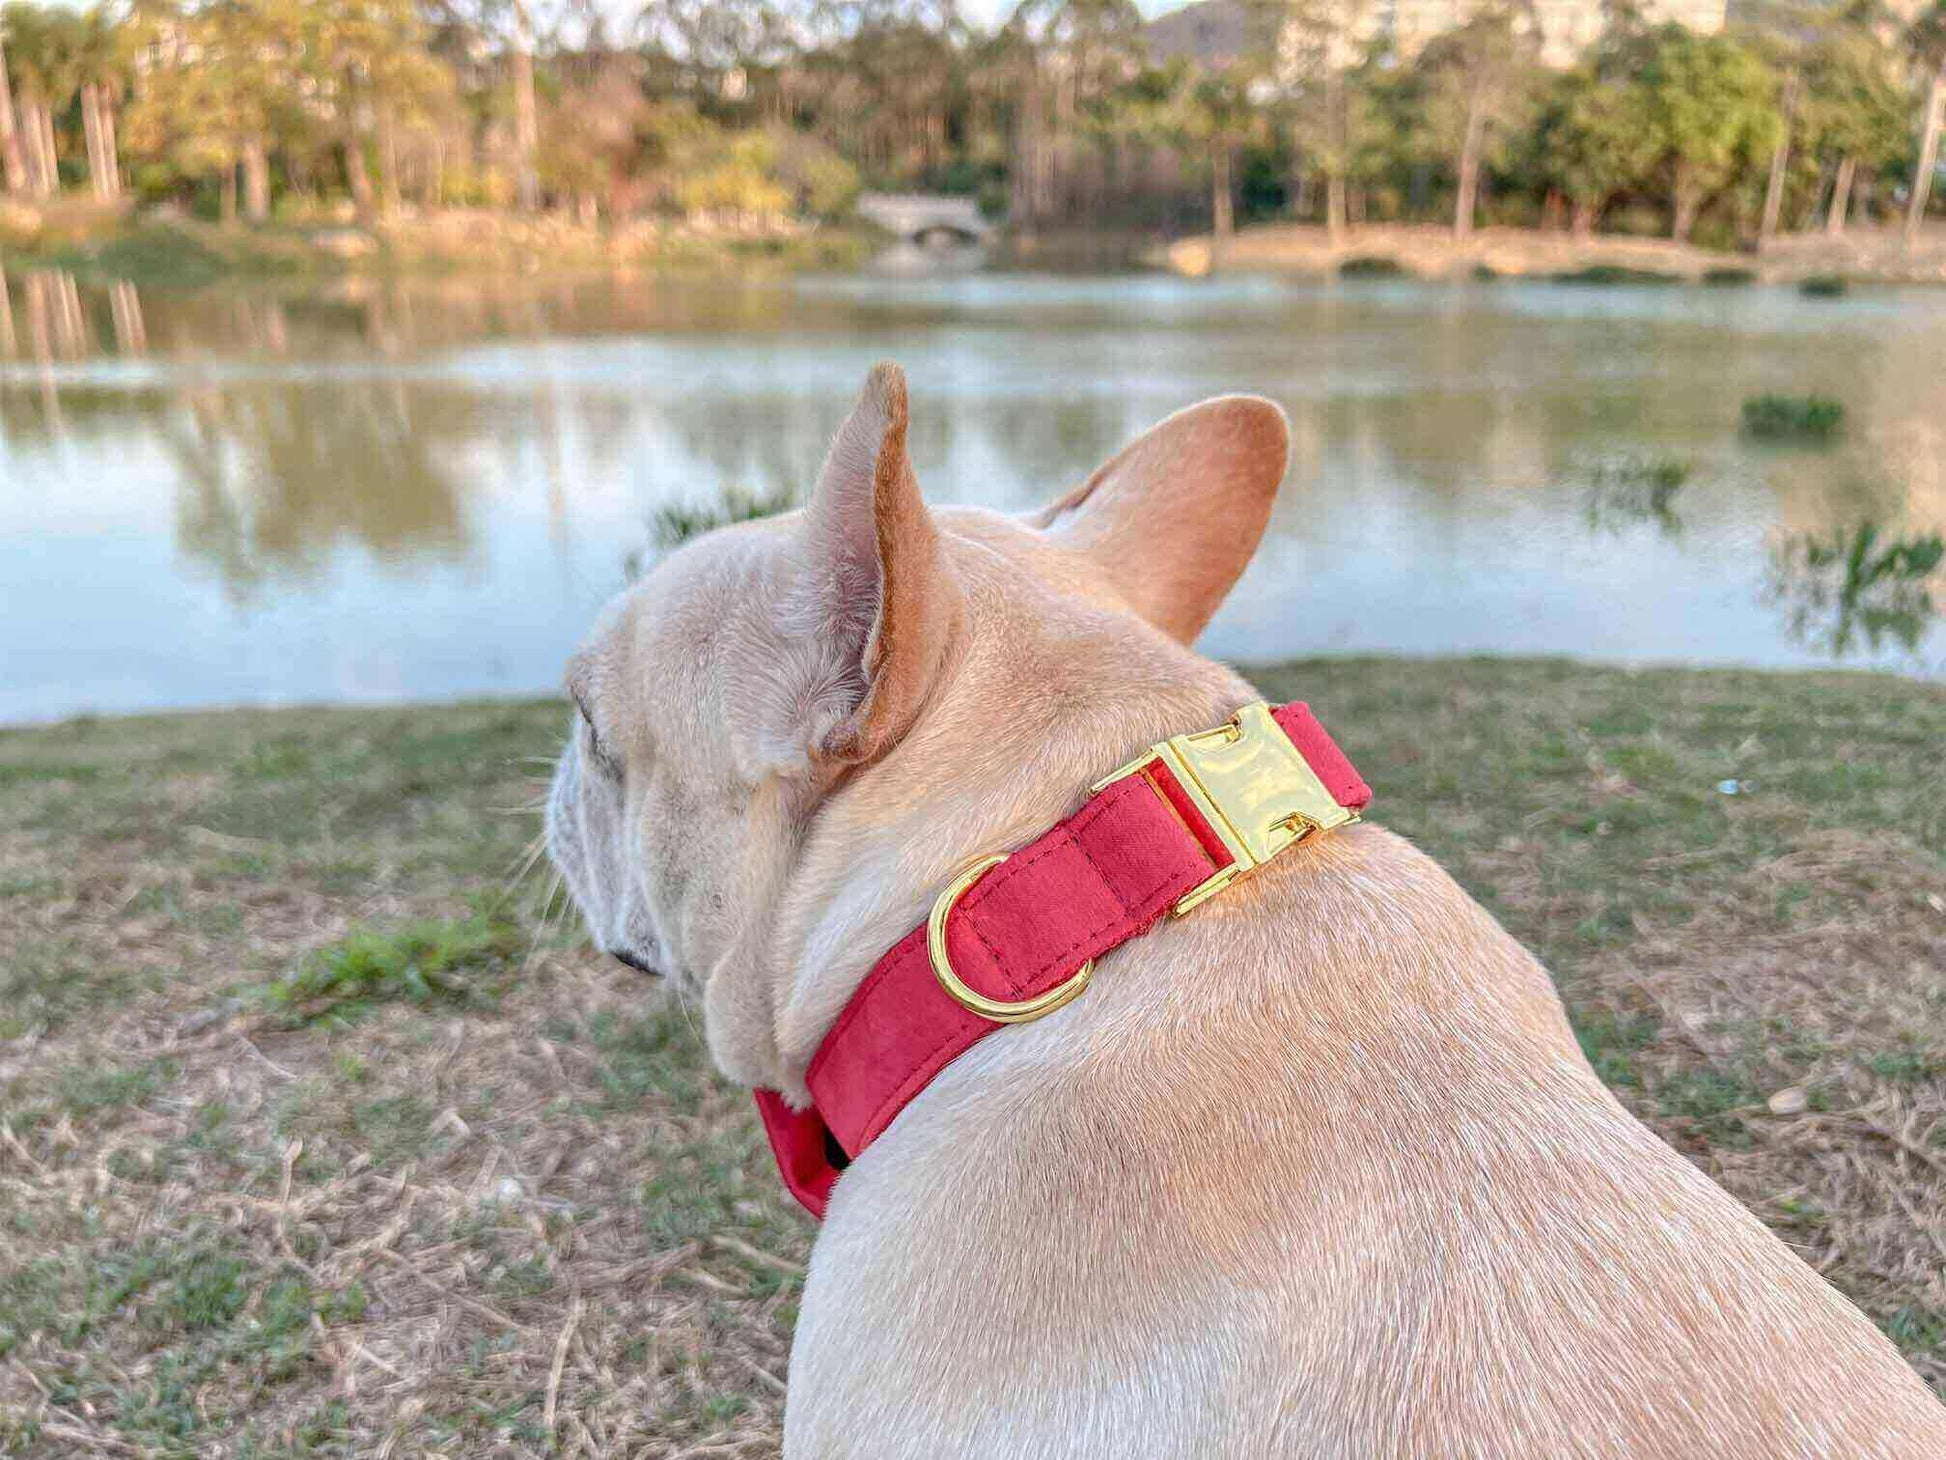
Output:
x=925 y=219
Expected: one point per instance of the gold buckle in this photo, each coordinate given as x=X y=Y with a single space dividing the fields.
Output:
x=999 y=1011
x=1254 y=788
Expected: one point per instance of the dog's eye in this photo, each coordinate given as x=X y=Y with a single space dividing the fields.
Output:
x=605 y=761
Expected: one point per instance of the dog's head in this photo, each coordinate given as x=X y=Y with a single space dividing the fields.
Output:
x=785 y=718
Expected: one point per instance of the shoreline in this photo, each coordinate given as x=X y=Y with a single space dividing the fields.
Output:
x=478 y=700
x=1861 y=255
x=168 y=250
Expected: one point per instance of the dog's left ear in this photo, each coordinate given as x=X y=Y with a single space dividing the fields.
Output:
x=1175 y=517
x=885 y=602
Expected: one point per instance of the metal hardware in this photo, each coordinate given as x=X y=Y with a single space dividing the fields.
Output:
x=999 y=1011
x=1254 y=788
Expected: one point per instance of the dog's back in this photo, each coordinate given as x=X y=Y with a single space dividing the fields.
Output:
x=1324 y=1174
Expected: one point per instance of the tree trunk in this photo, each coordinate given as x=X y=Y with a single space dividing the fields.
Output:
x=256 y=181
x=1688 y=202
x=1469 y=165
x=1582 y=219
x=388 y=158
x=50 y=157
x=1780 y=161
x=226 y=191
x=359 y=178
x=1928 y=155
x=1834 y=222
x=1223 y=221
x=100 y=176
x=37 y=133
x=11 y=160
x=111 y=152
x=527 y=126
x=1338 y=127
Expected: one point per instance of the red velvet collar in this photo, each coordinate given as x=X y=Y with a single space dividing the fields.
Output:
x=1013 y=939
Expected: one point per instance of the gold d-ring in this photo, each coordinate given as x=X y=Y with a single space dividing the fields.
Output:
x=1023 y=1012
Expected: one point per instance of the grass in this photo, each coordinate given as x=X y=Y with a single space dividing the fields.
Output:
x=1728 y=276
x=319 y=1140
x=1773 y=417
x=1824 y=286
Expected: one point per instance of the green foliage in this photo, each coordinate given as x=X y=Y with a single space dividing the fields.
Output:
x=1729 y=276
x=1594 y=139
x=1858 y=585
x=1771 y=417
x=676 y=523
x=1711 y=104
x=420 y=963
x=1371 y=266
x=1824 y=286
x=1614 y=274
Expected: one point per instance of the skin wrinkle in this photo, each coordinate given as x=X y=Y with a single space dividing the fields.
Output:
x=1319 y=1170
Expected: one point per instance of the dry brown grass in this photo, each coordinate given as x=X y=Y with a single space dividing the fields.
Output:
x=318 y=1141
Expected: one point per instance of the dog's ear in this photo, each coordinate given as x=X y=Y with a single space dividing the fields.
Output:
x=884 y=601
x=1177 y=514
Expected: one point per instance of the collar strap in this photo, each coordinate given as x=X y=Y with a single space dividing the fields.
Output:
x=1014 y=937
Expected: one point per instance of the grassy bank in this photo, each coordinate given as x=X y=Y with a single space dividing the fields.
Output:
x=156 y=252
x=1862 y=254
x=323 y=1133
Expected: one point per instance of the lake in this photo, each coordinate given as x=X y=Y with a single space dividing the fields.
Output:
x=387 y=491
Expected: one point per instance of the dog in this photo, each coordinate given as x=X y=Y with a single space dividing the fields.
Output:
x=1317 y=1169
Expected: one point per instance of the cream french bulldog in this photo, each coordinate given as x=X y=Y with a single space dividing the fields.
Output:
x=1318 y=1170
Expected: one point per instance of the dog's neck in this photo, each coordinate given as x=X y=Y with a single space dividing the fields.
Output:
x=963 y=783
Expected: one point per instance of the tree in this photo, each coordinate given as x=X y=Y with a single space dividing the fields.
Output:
x=1713 y=106
x=1312 y=43
x=1926 y=41
x=1594 y=140
x=1479 y=74
x=217 y=86
x=1853 y=110
x=42 y=46
x=98 y=66
x=13 y=164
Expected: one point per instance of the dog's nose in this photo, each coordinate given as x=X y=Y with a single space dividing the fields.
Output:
x=634 y=961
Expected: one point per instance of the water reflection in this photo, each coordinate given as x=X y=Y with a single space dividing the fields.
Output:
x=1517 y=470
x=1630 y=491
x=273 y=479
x=1858 y=589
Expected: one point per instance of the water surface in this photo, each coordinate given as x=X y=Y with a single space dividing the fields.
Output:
x=416 y=492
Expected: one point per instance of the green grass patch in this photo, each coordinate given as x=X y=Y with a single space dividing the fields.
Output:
x=457 y=961
x=1728 y=277
x=1824 y=286
x=1772 y=417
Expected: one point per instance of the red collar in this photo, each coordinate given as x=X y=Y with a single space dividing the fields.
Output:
x=1014 y=938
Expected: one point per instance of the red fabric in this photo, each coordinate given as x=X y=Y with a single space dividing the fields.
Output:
x=1092 y=882
x=1346 y=786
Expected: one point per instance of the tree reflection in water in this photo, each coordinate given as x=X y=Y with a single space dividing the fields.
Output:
x=276 y=477
x=1855 y=587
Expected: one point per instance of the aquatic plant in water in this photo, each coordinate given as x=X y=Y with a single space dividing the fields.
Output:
x=1856 y=585
x=1771 y=417
x=1371 y=266
x=677 y=522
x=1625 y=490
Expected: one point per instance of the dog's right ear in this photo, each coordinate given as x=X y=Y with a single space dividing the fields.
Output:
x=1177 y=514
x=876 y=592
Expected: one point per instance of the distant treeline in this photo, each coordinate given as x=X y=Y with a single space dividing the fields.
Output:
x=743 y=108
